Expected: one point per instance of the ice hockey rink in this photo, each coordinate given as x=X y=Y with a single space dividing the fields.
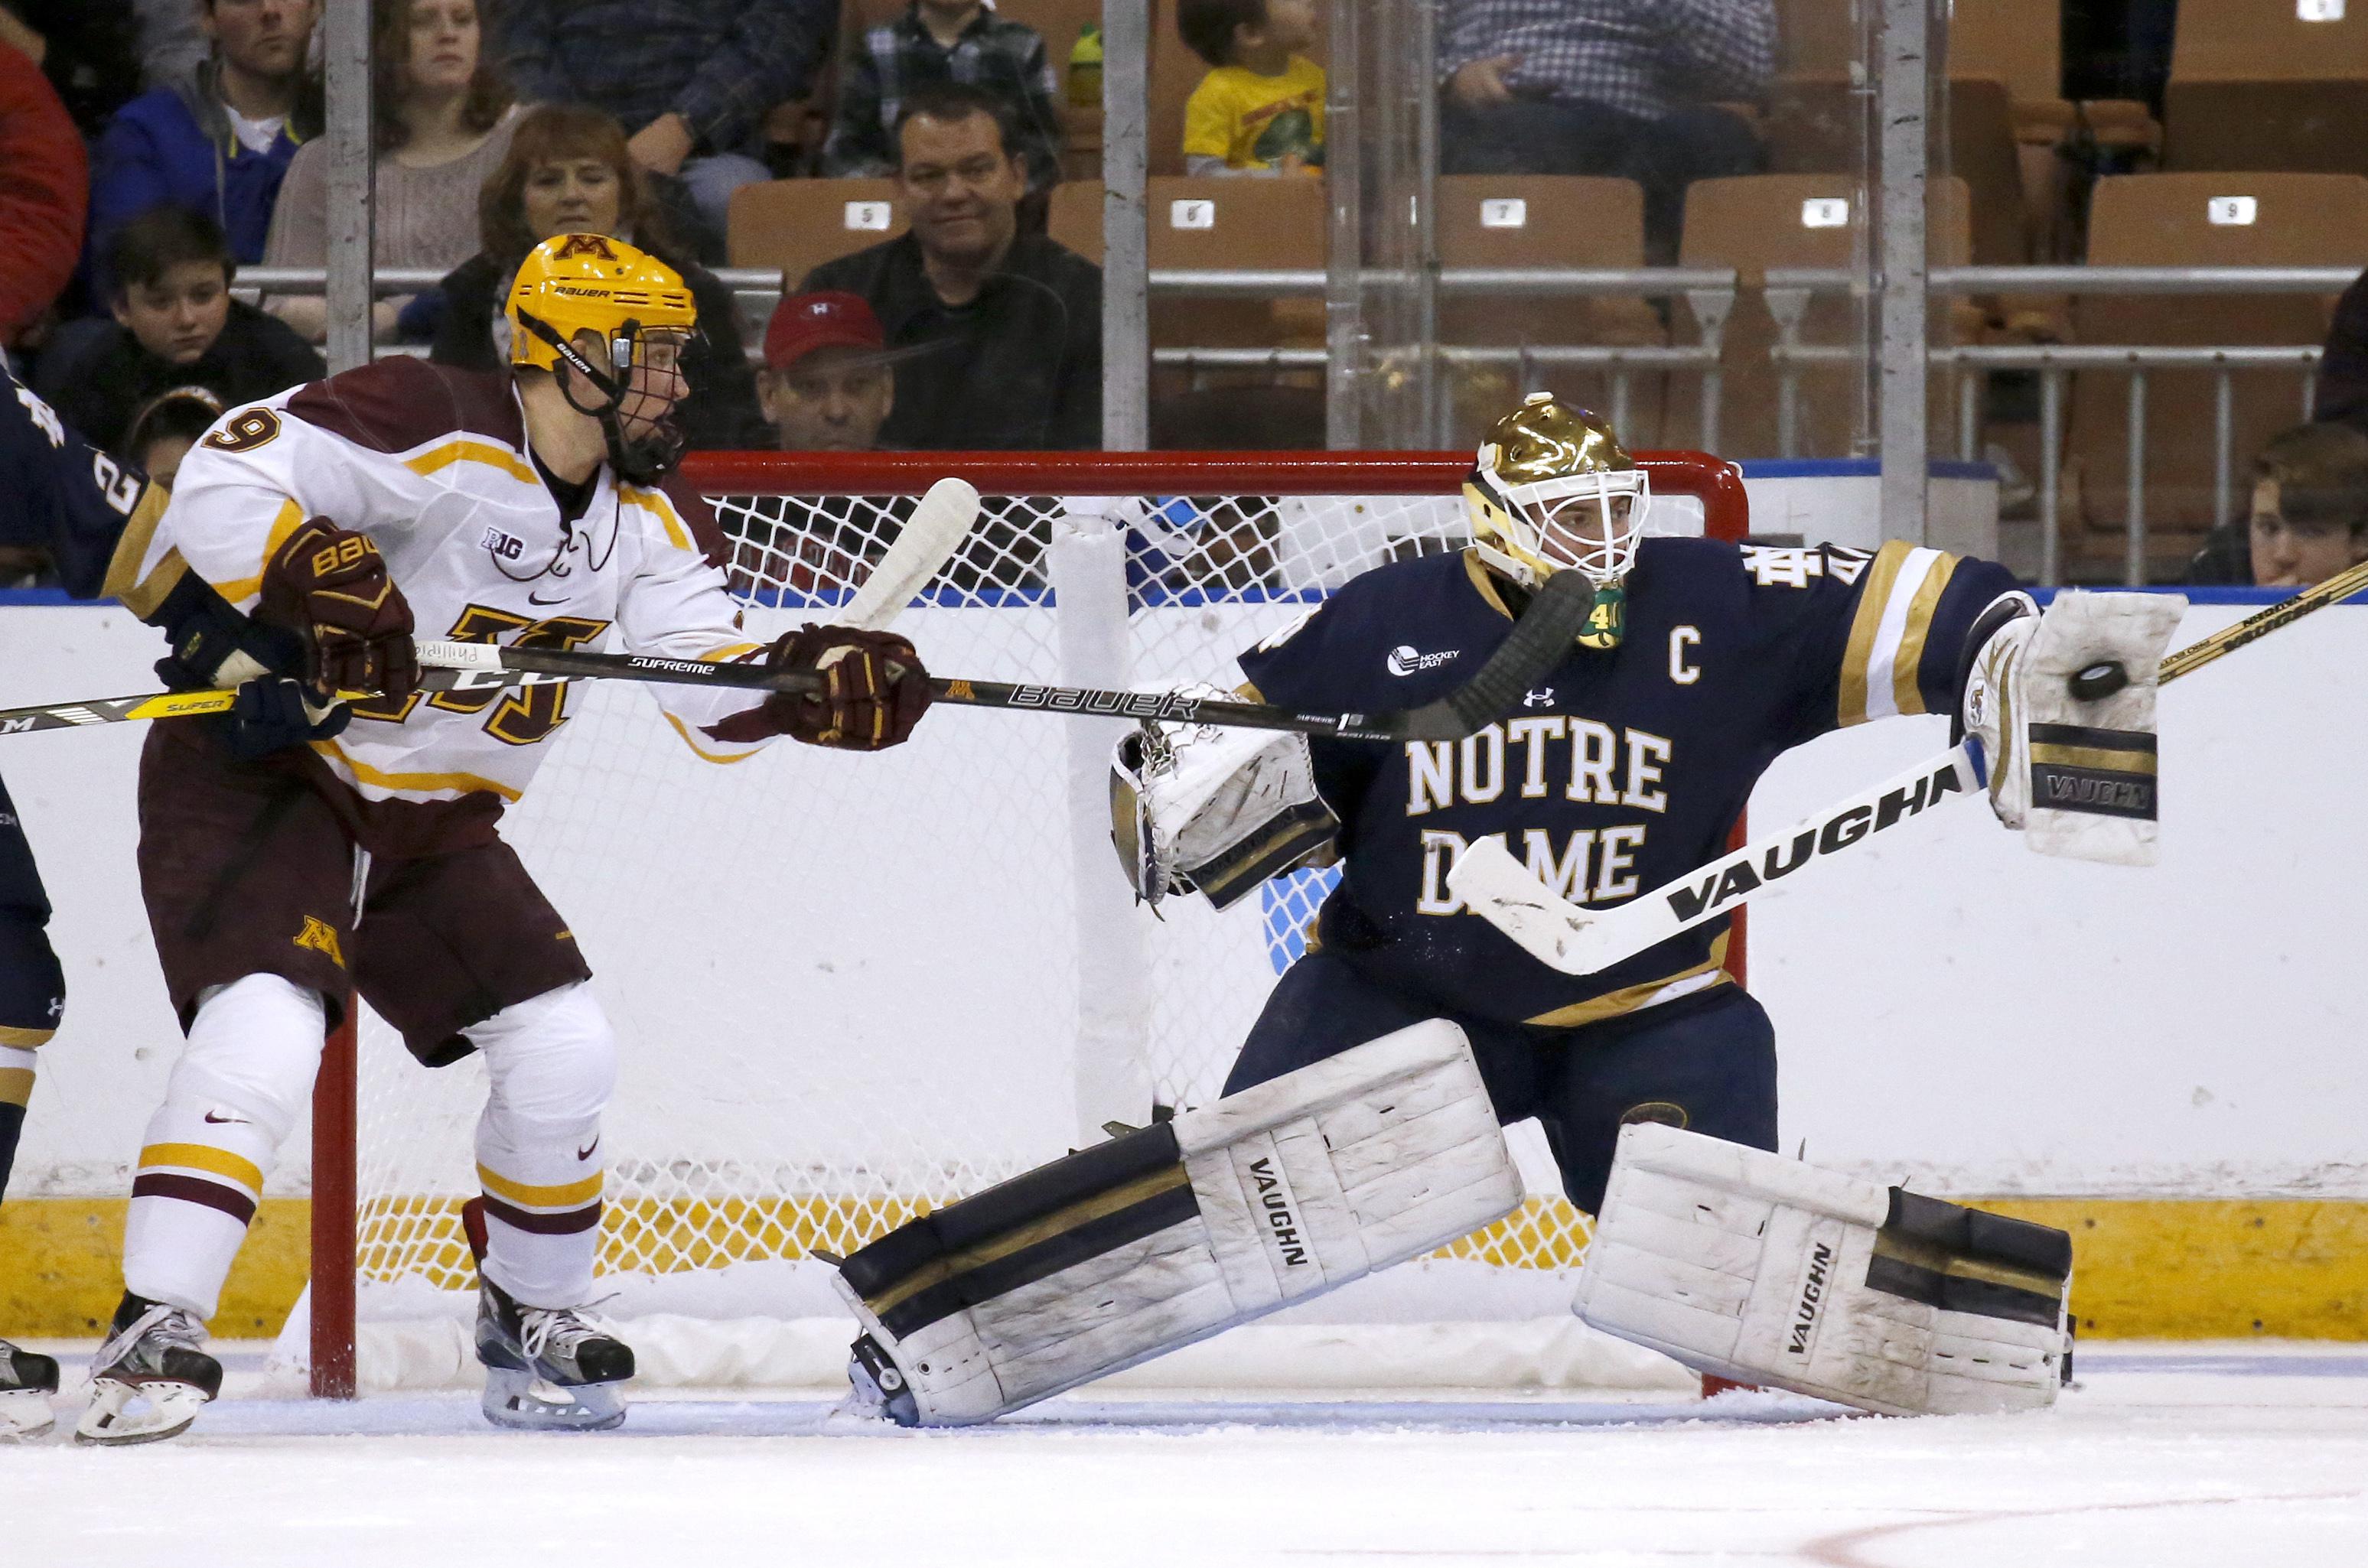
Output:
x=2201 y=1453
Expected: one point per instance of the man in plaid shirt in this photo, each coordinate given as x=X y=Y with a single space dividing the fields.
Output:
x=1620 y=88
x=690 y=80
x=945 y=41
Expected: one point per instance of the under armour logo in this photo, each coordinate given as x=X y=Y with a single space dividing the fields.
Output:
x=57 y=1008
x=1541 y=698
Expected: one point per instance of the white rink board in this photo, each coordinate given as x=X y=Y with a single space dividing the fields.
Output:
x=1950 y=1006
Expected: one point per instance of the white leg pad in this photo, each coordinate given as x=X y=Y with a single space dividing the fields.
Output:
x=1137 y=1248
x=1758 y=1268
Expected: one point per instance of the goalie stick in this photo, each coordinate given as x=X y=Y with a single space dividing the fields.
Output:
x=1538 y=640
x=928 y=540
x=1575 y=940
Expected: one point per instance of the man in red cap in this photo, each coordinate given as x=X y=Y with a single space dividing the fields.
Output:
x=826 y=385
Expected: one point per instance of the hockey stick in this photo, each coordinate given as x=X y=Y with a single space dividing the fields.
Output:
x=1536 y=643
x=926 y=543
x=1577 y=940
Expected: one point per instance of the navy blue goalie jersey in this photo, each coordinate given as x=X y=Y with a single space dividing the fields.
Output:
x=1622 y=770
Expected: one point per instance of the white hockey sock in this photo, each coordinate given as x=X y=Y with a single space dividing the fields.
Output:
x=552 y=1063
x=238 y=1089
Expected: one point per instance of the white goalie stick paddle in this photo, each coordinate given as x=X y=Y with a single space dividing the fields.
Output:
x=1567 y=937
x=928 y=540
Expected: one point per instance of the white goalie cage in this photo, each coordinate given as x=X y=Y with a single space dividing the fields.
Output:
x=848 y=988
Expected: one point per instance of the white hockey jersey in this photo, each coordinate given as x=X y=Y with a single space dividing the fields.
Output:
x=432 y=463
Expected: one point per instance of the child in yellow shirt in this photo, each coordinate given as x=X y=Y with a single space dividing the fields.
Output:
x=1260 y=109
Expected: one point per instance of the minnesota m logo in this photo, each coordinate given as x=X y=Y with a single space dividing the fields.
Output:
x=319 y=935
x=586 y=244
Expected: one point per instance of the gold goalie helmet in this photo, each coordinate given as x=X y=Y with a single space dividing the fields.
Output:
x=1553 y=490
x=637 y=305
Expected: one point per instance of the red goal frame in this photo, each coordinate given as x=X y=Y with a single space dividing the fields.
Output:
x=1715 y=481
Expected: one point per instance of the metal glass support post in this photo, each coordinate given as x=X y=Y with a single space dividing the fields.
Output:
x=1422 y=50
x=1343 y=333
x=1904 y=93
x=349 y=295
x=1126 y=228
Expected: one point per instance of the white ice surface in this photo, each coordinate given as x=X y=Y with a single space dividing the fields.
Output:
x=2169 y=1456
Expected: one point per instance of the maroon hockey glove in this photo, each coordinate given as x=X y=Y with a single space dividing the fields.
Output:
x=877 y=691
x=332 y=585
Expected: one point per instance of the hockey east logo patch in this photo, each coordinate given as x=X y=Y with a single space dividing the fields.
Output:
x=1406 y=660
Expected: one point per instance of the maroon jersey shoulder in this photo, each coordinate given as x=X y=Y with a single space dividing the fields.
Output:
x=700 y=517
x=401 y=402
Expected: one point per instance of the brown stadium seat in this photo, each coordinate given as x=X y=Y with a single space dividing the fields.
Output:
x=2258 y=85
x=1820 y=123
x=1221 y=224
x=1075 y=218
x=1523 y=220
x=1785 y=220
x=2168 y=220
x=798 y=224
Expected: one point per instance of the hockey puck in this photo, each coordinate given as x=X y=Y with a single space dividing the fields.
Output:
x=2096 y=682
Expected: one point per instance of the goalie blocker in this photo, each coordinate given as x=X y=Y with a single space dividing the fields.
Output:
x=1754 y=1268
x=1166 y=1235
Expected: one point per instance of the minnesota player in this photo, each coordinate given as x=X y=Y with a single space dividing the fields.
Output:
x=534 y=508
x=89 y=518
x=1625 y=768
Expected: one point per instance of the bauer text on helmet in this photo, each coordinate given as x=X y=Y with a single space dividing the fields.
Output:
x=572 y=285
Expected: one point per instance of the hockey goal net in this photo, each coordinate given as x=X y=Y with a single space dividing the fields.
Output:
x=848 y=988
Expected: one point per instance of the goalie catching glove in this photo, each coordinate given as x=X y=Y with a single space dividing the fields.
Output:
x=1751 y=1266
x=1199 y=808
x=2060 y=706
x=875 y=690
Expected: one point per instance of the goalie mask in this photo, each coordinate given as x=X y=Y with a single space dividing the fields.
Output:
x=637 y=305
x=1553 y=490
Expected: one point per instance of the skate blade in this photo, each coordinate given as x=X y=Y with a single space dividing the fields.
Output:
x=524 y=1402
x=25 y=1414
x=123 y=1413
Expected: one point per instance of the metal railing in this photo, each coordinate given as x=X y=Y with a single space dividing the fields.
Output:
x=1710 y=294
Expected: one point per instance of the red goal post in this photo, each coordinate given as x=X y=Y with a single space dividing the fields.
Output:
x=1181 y=551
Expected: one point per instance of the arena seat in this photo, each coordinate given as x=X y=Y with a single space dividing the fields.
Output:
x=1521 y=220
x=2259 y=86
x=1761 y=222
x=2170 y=219
x=798 y=224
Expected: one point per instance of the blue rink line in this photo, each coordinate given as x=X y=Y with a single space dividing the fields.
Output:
x=2225 y=1364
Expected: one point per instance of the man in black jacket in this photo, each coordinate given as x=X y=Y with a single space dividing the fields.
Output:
x=1011 y=323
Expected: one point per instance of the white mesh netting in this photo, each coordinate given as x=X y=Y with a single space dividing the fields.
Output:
x=848 y=988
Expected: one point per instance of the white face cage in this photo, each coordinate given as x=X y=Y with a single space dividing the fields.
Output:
x=1590 y=523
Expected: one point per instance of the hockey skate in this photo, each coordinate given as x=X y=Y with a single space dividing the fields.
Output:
x=547 y=1370
x=27 y=1381
x=150 y=1380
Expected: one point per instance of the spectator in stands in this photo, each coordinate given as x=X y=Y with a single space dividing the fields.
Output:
x=444 y=118
x=42 y=194
x=828 y=384
x=219 y=141
x=163 y=432
x=2343 y=373
x=1011 y=324
x=568 y=170
x=1627 y=88
x=2309 y=515
x=172 y=41
x=1260 y=109
x=175 y=325
x=86 y=50
x=691 y=80
x=945 y=41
